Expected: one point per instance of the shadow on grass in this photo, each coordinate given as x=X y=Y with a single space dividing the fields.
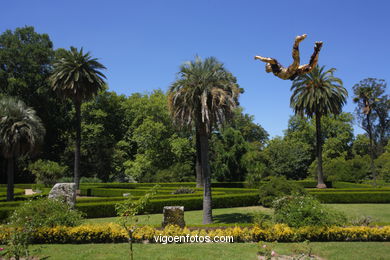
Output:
x=232 y=218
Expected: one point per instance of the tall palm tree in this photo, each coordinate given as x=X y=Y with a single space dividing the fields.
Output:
x=366 y=98
x=77 y=75
x=21 y=132
x=204 y=96
x=318 y=93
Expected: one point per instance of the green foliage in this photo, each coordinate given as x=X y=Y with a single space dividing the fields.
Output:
x=45 y=213
x=383 y=164
x=372 y=111
x=299 y=211
x=288 y=157
x=277 y=187
x=361 y=145
x=107 y=209
x=340 y=169
x=318 y=93
x=228 y=148
x=47 y=172
x=353 y=197
x=25 y=65
x=261 y=219
x=33 y=215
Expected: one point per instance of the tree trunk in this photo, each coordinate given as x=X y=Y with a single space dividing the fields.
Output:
x=198 y=165
x=372 y=165
x=207 y=200
x=320 y=173
x=10 y=179
x=78 y=143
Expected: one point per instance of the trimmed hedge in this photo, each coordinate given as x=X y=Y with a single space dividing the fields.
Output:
x=107 y=209
x=352 y=197
x=350 y=190
x=114 y=233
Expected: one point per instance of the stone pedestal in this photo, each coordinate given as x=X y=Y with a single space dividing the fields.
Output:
x=173 y=215
x=65 y=192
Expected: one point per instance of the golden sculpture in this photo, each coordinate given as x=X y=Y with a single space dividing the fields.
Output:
x=294 y=70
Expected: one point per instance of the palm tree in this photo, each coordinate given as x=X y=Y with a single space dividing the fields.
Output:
x=77 y=75
x=366 y=97
x=204 y=96
x=318 y=93
x=21 y=132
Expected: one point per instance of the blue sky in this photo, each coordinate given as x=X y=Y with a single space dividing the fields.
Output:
x=142 y=43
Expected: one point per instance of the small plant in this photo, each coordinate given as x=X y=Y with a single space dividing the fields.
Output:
x=182 y=190
x=362 y=221
x=304 y=250
x=127 y=211
x=299 y=211
x=278 y=187
x=261 y=219
x=266 y=250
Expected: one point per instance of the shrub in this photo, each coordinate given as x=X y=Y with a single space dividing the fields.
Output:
x=183 y=191
x=47 y=172
x=299 y=211
x=277 y=187
x=261 y=219
x=45 y=213
x=115 y=233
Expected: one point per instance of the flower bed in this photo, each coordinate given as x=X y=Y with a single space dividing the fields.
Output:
x=112 y=233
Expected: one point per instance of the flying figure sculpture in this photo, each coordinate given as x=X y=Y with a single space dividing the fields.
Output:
x=294 y=70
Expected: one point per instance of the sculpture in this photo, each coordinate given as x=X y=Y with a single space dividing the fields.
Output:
x=294 y=70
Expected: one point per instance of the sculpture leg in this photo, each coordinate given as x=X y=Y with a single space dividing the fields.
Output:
x=314 y=57
x=295 y=51
x=267 y=60
x=313 y=60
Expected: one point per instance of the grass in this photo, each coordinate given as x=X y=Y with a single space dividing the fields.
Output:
x=234 y=251
x=224 y=216
x=230 y=216
x=379 y=212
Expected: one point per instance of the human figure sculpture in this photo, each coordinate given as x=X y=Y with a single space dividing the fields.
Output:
x=294 y=70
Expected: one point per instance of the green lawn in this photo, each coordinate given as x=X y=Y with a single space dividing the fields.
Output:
x=379 y=212
x=234 y=251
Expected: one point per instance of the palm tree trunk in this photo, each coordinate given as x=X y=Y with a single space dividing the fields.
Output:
x=198 y=165
x=320 y=173
x=207 y=200
x=10 y=179
x=78 y=143
x=372 y=165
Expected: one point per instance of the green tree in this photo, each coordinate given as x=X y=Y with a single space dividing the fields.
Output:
x=373 y=114
x=288 y=157
x=204 y=95
x=25 y=64
x=47 y=172
x=318 y=93
x=227 y=149
x=21 y=132
x=77 y=76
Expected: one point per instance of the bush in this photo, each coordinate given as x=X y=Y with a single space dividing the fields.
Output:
x=183 y=191
x=299 y=211
x=277 y=187
x=47 y=172
x=114 y=233
x=45 y=213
